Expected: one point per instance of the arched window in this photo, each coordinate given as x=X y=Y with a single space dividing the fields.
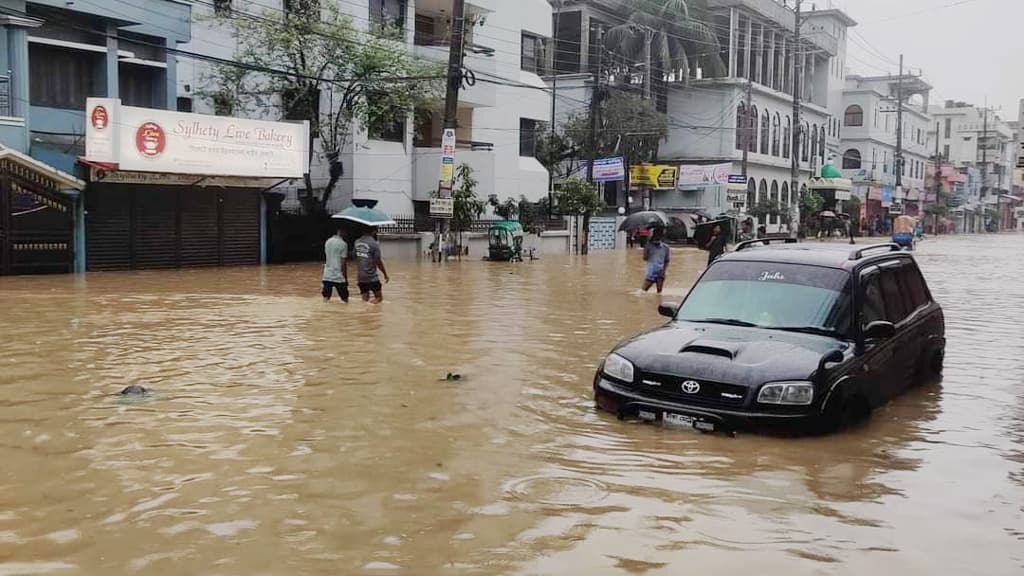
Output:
x=814 y=141
x=762 y=195
x=854 y=116
x=775 y=135
x=774 y=199
x=851 y=159
x=752 y=124
x=741 y=119
x=821 y=145
x=766 y=130
x=785 y=198
x=751 y=194
x=787 y=138
x=805 y=142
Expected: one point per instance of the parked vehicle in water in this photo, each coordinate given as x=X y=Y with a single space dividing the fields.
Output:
x=791 y=337
x=904 y=230
x=505 y=242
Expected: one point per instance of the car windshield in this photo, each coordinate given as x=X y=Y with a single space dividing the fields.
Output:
x=769 y=295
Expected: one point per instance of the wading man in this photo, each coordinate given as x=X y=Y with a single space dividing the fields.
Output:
x=369 y=260
x=657 y=255
x=335 y=267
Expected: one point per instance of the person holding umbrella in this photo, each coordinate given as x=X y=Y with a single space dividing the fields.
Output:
x=368 y=258
x=657 y=255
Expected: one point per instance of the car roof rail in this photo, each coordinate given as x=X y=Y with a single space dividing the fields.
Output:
x=762 y=242
x=888 y=247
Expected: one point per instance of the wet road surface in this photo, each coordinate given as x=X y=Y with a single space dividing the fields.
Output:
x=288 y=436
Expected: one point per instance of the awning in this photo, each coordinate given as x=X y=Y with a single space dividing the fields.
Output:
x=60 y=180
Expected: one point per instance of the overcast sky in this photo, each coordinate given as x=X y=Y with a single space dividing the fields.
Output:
x=967 y=49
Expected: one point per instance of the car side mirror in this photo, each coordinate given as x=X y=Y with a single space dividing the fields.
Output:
x=668 y=309
x=830 y=357
x=879 y=330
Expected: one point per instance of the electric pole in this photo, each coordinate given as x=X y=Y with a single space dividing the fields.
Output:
x=648 y=72
x=899 y=135
x=595 y=114
x=744 y=134
x=938 y=168
x=451 y=112
x=794 y=176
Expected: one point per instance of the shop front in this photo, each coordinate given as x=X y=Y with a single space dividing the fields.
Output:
x=170 y=189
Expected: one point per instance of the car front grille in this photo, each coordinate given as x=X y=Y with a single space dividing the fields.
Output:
x=710 y=394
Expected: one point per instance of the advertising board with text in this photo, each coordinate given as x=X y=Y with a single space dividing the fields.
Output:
x=151 y=140
x=605 y=169
x=658 y=177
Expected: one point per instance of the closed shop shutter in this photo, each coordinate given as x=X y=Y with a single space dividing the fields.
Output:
x=108 y=229
x=156 y=242
x=199 y=235
x=240 y=230
x=170 y=226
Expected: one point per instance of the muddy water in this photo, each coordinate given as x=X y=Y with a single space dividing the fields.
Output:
x=286 y=436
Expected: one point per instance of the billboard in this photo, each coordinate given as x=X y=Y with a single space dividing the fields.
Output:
x=606 y=169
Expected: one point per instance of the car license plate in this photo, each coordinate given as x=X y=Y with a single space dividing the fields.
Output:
x=704 y=426
x=670 y=419
x=647 y=416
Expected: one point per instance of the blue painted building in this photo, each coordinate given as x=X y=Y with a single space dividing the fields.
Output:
x=53 y=55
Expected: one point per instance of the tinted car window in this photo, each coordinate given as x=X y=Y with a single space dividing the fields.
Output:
x=895 y=309
x=771 y=295
x=874 y=302
x=913 y=286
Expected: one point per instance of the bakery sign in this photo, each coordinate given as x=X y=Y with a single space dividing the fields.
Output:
x=150 y=140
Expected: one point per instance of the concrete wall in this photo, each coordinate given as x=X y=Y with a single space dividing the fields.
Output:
x=417 y=246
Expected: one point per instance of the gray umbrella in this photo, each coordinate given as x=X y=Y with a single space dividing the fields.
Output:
x=645 y=219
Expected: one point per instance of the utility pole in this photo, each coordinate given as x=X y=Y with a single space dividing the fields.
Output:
x=794 y=176
x=938 y=168
x=899 y=136
x=451 y=111
x=648 y=71
x=554 y=97
x=984 y=156
x=595 y=114
x=744 y=134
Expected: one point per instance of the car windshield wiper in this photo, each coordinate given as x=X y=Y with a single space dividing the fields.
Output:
x=726 y=321
x=817 y=330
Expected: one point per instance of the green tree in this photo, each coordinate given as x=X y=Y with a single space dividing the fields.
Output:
x=668 y=38
x=533 y=216
x=467 y=206
x=311 y=55
x=627 y=125
x=578 y=198
x=509 y=209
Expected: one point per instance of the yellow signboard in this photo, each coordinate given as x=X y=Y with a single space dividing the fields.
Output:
x=658 y=177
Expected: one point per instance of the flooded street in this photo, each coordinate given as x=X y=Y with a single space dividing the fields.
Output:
x=288 y=436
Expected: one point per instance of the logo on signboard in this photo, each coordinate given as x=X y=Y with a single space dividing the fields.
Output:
x=99 y=118
x=150 y=139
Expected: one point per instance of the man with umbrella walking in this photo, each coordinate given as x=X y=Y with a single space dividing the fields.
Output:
x=657 y=255
x=365 y=221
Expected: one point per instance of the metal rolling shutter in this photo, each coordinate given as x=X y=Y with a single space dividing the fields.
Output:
x=108 y=228
x=240 y=227
x=199 y=234
x=156 y=228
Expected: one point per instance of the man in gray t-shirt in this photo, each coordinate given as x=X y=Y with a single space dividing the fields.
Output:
x=369 y=261
x=335 y=269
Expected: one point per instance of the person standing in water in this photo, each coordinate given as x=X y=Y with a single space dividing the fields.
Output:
x=369 y=260
x=657 y=256
x=335 y=268
x=716 y=244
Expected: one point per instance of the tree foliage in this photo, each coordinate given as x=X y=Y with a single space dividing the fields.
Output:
x=533 y=216
x=628 y=125
x=312 y=63
x=577 y=197
x=467 y=206
x=509 y=209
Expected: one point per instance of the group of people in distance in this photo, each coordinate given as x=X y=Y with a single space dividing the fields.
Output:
x=368 y=263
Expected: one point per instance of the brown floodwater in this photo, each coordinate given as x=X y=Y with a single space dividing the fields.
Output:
x=289 y=436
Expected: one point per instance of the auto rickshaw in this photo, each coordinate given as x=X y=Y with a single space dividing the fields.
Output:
x=903 y=228
x=505 y=242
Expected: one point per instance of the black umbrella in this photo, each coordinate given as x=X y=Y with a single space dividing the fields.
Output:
x=704 y=229
x=645 y=219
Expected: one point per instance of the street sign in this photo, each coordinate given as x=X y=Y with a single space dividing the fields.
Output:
x=442 y=207
x=737 y=183
x=659 y=177
x=896 y=208
x=447 y=162
x=606 y=169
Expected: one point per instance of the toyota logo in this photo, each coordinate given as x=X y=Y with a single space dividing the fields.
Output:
x=691 y=386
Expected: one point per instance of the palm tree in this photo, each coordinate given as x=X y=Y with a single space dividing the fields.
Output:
x=666 y=39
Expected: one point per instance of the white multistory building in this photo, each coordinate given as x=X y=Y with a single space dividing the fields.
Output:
x=712 y=119
x=869 y=131
x=496 y=117
x=974 y=137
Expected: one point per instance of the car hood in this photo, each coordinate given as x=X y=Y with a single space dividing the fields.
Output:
x=729 y=354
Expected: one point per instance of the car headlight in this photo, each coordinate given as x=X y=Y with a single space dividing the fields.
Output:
x=786 y=393
x=618 y=367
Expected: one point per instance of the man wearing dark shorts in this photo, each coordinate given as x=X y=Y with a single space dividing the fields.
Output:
x=369 y=260
x=335 y=269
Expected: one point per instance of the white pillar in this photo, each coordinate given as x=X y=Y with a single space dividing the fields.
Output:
x=733 y=41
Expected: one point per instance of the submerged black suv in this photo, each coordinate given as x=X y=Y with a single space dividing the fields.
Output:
x=802 y=337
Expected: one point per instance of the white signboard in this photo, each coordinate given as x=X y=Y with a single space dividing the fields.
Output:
x=447 y=161
x=700 y=176
x=843 y=195
x=442 y=207
x=150 y=140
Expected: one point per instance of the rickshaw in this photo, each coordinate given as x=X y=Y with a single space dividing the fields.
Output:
x=505 y=242
x=903 y=228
